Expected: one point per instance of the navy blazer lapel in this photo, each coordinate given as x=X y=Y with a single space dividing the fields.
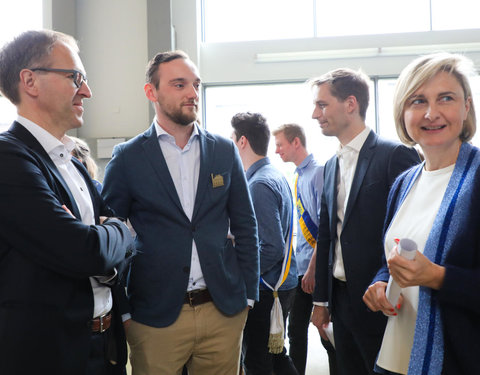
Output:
x=207 y=146
x=364 y=158
x=153 y=153
x=21 y=133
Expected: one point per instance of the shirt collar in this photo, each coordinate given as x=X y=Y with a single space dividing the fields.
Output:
x=46 y=140
x=304 y=164
x=356 y=143
x=162 y=133
x=256 y=166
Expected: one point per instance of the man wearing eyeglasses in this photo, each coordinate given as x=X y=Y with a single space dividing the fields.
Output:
x=61 y=258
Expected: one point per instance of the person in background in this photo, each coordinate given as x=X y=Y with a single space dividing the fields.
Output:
x=82 y=153
x=349 y=243
x=435 y=325
x=272 y=201
x=61 y=258
x=291 y=145
x=183 y=189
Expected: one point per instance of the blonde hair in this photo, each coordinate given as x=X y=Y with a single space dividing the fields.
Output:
x=418 y=72
x=82 y=153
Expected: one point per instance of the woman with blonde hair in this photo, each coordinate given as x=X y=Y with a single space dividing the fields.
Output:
x=434 y=327
x=82 y=153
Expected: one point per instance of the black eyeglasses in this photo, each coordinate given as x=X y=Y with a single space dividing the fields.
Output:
x=78 y=77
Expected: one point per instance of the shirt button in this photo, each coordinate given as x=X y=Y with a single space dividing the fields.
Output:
x=61 y=155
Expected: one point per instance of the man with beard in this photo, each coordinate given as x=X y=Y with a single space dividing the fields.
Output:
x=183 y=189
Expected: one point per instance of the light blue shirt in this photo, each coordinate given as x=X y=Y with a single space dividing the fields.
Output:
x=309 y=186
x=184 y=167
x=272 y=201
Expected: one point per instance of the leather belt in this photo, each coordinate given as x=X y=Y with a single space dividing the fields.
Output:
x=102 y=323
x=197 y=297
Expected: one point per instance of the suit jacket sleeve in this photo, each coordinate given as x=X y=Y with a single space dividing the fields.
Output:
x=323 y=249
x=34 y=223
x=401 y=159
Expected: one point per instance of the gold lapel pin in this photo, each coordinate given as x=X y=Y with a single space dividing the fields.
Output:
x=217 y=181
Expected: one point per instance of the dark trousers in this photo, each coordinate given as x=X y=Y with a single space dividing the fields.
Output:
x=98 y=364
x=356 y=349
x=256 y=358
x=298 y=323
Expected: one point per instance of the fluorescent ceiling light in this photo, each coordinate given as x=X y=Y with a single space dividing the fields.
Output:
x=365 y=52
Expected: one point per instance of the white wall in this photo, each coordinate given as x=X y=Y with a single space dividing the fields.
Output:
x=112 y=35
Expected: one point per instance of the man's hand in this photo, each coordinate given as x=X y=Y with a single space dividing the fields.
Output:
x=320 y=319
x=68 y=211
x=308 y=281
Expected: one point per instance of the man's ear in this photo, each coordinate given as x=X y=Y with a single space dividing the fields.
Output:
x=150 y=92
x=351 y=103
x=28 y=82
x=243 y=141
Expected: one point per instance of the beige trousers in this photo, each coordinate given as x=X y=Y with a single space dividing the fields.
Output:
x=203 y=338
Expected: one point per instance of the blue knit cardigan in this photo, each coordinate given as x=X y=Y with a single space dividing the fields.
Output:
x=447 y=331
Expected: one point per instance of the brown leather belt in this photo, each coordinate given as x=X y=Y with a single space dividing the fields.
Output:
x=197 y=297
x=102 y=323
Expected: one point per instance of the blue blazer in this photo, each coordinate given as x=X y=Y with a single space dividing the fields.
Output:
x=138 y=186
x=379 y=163
x=46 y=258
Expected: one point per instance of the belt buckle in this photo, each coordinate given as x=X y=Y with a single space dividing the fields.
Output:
x=190 y=298
x=102 y=327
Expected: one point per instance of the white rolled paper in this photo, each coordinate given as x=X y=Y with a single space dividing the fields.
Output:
x=407 y=249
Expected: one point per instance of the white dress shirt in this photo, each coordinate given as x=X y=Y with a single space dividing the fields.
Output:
x=60 y=153
x=184 y=167
x=347 y=163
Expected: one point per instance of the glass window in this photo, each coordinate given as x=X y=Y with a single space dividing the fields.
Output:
x=386 y=124
x=280 y=104
x=232 y=20
x=463 y=14
x=13 y=20
x=336 y=18
x=475 y=84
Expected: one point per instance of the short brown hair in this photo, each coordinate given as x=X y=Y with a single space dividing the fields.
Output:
x=26 y=51
x=420 y=71
x=345 y=82
x=292 y=131
x=255 y=128
x=161 y=58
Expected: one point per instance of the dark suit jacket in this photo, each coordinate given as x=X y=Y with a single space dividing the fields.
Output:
x=138 y=186
x=379 y=163
x=46 y=258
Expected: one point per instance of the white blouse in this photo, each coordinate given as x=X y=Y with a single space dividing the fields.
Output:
x=414 y=219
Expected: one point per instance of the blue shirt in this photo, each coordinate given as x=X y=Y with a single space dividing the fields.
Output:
x=272 y=201
x=309 y=186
